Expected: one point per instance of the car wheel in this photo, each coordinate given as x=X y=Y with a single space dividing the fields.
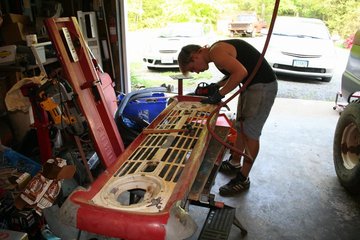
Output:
x=326 y=79
x=347 y=148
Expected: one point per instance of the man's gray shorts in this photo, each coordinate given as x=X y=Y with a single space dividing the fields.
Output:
x=254 y=107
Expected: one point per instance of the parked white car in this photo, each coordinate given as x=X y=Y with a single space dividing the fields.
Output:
x=163 y=51
x=302 y=47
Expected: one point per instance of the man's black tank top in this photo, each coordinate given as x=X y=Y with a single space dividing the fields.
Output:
x=248 y=56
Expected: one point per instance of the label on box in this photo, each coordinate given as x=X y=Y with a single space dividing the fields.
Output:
x=7 y=54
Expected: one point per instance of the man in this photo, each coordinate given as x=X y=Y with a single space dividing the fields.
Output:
x=236 y=59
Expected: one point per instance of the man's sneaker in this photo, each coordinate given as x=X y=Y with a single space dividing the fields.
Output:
x=227 y=167
x=236 y=185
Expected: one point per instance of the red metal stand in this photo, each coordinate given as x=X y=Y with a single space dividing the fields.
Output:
x=80 y=72
x=41 y=122
x=180 y=79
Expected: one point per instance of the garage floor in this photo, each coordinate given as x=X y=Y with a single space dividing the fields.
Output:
x=294 y=191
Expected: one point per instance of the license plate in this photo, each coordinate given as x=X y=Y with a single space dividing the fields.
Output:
x=167 y=60
x=300 y=63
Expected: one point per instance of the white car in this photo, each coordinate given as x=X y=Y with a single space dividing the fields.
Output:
x=163 y=51
x=301 y=47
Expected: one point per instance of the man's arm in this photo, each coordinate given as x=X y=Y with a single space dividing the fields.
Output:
x=222 y=81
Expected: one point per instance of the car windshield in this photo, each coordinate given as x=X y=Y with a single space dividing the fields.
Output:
x=182 y=30
x=301 y=29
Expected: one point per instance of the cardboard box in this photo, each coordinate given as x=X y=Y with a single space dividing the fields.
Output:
x=43 y=189
x=15 y=28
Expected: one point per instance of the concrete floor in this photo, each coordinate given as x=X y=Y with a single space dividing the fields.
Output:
x=294 y=191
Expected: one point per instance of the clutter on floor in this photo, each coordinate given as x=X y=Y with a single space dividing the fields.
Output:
x=26 y=188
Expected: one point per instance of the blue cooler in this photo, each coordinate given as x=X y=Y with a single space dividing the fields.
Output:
x=147 y=108
x=137 y=109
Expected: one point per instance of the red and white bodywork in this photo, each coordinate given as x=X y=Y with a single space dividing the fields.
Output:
x=162 y=166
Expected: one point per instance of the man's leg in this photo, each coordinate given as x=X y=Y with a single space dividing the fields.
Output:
x=251 y=150
x=241 y=182
x=250 y=147
x=233 y=164
x=257 y=103
x=239 y=144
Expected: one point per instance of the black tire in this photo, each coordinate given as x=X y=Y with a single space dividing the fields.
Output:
x=347 y=148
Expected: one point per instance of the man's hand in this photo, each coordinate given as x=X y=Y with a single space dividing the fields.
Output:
x=214 y=98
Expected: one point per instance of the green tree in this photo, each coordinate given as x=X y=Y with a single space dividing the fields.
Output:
x=344 y=18
x=341 y=16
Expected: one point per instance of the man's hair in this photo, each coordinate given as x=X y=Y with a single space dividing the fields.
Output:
x=184 y=57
